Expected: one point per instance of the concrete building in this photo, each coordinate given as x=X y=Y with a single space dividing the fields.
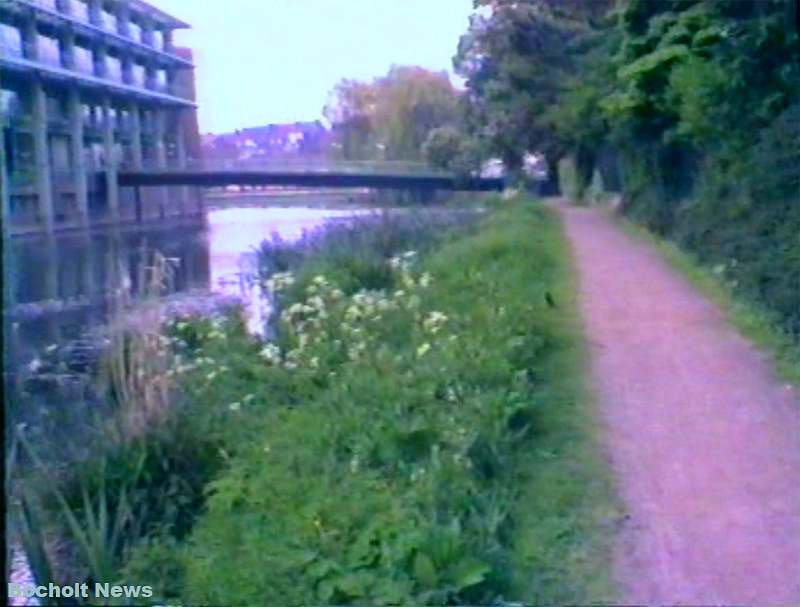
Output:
x=87 y=88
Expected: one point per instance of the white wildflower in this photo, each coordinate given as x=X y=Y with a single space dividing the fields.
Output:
x=316 y=302
x=434 y=322
x=271 y=353
x=280 y=281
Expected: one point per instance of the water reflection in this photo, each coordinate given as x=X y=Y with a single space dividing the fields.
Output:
x=235 y=234
x=59 y=286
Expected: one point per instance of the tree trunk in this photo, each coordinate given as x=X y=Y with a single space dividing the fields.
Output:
x=551 y=186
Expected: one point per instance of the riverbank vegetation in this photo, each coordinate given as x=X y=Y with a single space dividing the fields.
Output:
x=688 y=109
x=415 y=433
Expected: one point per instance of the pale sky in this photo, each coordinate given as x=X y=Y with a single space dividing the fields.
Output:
x=266 y=61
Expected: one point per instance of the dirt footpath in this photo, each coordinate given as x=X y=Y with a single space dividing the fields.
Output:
x=704 y=440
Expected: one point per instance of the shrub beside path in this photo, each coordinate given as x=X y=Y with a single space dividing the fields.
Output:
x=704 y=439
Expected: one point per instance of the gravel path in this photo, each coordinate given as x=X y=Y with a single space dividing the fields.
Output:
x=704 y=440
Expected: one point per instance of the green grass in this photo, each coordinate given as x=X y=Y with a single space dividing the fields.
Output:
x=569 y=511
x=455 y=468
x=752 y=320
x=420 y=432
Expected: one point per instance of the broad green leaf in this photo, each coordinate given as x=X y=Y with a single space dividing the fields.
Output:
x=424 y=570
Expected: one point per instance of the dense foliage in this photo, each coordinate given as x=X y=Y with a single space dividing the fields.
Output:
x=692 y=107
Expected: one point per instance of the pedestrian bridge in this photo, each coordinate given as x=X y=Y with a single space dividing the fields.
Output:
x=378 y=175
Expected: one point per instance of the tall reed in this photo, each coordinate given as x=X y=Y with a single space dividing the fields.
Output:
x=87 y=510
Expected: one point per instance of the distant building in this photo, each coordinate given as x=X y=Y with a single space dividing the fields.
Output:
x=89 y=87
x=273 y=141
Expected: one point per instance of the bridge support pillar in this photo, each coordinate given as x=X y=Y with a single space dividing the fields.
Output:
x=110 y=153
x=41 y=146
x=78 y=158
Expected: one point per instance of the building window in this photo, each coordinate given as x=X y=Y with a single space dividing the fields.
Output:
x=161 y=81
x=158 y=39
x=84 y=62
x=79 y=10
x=10 y=105
x=10 y=41
x=109 y=21
x=138 y=75
x=49 y=51
x=135 y=31
x=114 y=69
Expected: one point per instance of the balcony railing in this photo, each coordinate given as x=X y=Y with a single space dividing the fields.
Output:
x=106 y=23
x=154 y=88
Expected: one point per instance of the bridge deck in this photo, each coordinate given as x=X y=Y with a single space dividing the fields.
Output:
x=307 y=178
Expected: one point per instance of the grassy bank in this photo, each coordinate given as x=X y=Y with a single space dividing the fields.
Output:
x=754 y=321
x=417 y=433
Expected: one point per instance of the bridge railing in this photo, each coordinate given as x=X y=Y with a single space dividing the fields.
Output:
x=299 y=166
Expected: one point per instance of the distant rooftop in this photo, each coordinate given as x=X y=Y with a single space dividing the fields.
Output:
x=158 y=14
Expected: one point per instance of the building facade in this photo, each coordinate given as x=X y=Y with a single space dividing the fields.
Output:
x=89 y=88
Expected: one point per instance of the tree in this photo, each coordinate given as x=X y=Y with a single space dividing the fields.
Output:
x=449 y=148
x=351 y=110
x=442 y=146
x=391 y=117
x=519 y=57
